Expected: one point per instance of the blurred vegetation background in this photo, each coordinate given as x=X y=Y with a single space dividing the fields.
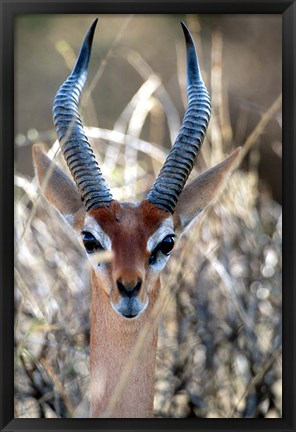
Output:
x=219 y=352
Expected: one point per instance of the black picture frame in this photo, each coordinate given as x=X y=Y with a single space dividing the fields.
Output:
x=9 y=9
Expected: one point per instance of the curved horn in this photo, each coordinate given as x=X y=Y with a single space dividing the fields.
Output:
x=179 y=163
x=74 y=143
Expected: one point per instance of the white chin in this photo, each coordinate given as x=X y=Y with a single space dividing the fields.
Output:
x=129 y=307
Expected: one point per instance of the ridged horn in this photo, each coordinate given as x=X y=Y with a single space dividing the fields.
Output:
x=74 y=143
x=179 y=163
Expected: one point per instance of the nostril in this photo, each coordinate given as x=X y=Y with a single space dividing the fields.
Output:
x=129 y=289
x=120 y=287
x=138 y=286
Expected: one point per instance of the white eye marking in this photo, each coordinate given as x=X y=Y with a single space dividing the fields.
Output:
x=164 y=230
x=94 y=228
x=159 y=260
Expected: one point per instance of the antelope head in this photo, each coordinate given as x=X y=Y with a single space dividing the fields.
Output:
x=141 y=235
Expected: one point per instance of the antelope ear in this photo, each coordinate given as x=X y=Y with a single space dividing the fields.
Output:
x=57 y=187
x=201 y=191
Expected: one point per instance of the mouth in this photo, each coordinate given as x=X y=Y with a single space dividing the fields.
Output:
x=130 y=316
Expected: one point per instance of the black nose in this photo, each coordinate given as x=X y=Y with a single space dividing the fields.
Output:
x=128 y=289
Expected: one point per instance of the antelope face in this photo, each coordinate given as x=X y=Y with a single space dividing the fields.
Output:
x=141 y=237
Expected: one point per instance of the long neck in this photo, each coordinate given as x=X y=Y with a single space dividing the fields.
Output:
x=112 y=343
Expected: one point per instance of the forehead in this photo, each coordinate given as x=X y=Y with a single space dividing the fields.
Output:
x=119 y=219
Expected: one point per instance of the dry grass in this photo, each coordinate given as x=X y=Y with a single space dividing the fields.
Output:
x=219 y=352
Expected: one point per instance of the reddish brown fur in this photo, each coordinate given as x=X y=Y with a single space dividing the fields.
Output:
x=117 y=219
x=129 y=226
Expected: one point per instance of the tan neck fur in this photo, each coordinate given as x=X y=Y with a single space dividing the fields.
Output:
x=113 y=339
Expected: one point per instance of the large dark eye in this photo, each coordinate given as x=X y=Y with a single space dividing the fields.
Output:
x=165 y=247
x=90 y=242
